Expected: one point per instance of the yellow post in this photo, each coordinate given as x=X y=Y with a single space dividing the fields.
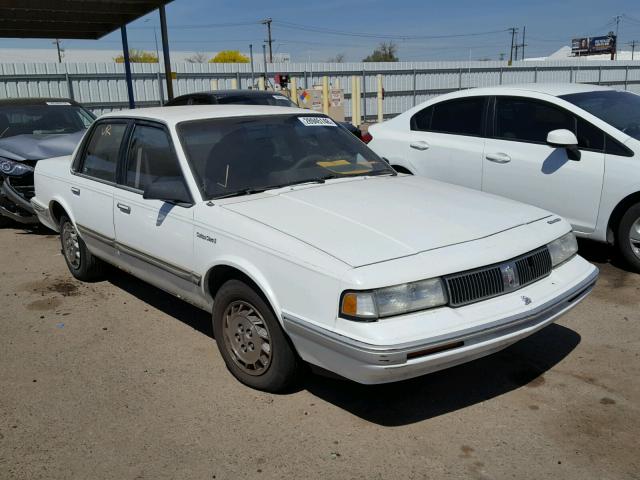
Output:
x=354 y=103
x=325 y=95
x=214 y=84
x=261 y=83
x=337 y=84
x=234 y=84
x=293 y=90
x=358 y=101
x=380 y=106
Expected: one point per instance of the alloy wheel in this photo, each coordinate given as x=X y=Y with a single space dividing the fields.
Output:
x=71 y=245
x=247 y=338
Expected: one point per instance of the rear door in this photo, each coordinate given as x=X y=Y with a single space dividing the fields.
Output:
x=519 y=164
x=446 y=141
x=93 y=184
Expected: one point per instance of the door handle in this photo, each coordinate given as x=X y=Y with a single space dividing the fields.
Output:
x=419 y=145
x=498 y=157
x=75 y=190
x=124 y=208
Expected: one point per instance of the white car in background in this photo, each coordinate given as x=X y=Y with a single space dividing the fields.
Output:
x=569 y=148
x=305 y=245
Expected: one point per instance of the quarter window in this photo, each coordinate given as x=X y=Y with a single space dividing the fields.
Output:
x=150 y=157
x=101 y=156
x=529 y=120
x=461 y=117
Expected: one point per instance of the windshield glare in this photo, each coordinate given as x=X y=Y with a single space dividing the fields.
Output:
x=619 y=109
x=42 y=119
x=275 y=100
x=242 y=154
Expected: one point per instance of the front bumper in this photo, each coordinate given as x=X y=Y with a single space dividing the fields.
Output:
x=14 y=204
x=371 y=363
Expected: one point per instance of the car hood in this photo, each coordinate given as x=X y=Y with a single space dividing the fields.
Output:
x=37 y=147
x=368 y=220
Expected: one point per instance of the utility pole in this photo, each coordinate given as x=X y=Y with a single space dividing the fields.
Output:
x=617 y=18
x=267 y=22
x=524 y=31
x=513 y=36
x=633 y=44
x=56 y=42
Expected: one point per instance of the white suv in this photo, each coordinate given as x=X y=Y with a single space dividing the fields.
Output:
x=569 y=148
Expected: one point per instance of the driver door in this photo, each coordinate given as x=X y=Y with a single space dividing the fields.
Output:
x=155 y=238
x=518 y=163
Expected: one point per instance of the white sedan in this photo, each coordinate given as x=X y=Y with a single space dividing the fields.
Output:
x=305 y=245
x=569 y=148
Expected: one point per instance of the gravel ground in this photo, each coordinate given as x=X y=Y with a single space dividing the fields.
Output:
x=119 y=380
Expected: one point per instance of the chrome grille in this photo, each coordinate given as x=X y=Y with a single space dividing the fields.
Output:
x=487 y=282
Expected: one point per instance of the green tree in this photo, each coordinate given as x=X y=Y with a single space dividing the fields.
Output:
x=229 y=56
x=386 y=52
x=138 y=56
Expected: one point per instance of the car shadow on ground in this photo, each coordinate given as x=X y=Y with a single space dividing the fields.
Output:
x=401 y=403
x=600 y=253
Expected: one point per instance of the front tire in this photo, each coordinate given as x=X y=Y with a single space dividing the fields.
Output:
x=628 y=237
x=82 y=264
x=251 y=340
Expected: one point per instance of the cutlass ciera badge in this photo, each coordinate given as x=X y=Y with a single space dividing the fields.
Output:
x=509 y=276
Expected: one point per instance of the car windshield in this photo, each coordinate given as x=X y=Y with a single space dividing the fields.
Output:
x=43 y=119
x=619 y=109
x=275 y=99
x=241 y=155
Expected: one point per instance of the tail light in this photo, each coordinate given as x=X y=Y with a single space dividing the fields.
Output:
x=366 y=137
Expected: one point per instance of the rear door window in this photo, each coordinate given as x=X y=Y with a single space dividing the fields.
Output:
x=100 y=159
x=461 y=117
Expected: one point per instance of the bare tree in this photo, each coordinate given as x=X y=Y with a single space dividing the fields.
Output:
x=339 y=58
x=386 y=52
x=198 y=57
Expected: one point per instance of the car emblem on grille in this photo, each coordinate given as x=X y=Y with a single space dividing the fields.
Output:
x=509 y=276
x=526 y=300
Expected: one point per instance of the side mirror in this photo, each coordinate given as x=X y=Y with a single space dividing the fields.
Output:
x=168 y=190
x=563 y=138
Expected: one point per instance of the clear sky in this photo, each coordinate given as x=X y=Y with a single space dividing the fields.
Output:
x=213 y=25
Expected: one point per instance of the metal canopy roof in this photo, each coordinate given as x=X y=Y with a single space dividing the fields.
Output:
x=79 y=19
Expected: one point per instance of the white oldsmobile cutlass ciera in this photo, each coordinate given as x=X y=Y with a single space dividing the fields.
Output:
x=305 y=245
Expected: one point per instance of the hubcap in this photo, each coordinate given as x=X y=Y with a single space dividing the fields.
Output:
x=70 y=245
x=634 y=237
x=247 y=337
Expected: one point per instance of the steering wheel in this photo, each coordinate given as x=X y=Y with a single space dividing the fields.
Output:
x=308 y=161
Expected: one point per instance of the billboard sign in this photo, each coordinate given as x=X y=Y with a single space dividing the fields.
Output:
x=593 y=45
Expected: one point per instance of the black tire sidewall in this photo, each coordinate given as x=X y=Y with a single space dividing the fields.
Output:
x=284 y=367
x=624 y=247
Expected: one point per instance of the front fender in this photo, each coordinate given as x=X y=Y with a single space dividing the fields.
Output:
x=251 y=271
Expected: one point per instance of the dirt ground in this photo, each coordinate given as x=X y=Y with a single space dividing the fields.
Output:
x=119 y=380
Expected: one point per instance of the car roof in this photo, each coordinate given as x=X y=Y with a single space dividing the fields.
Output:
x=184 y=113
x=553 y=89
x=35 y=101
x=233 y=93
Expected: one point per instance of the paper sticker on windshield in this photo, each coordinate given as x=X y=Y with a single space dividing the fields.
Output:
x=344 y=167
x=58 y=103
x=279 y=97
x=317 y=122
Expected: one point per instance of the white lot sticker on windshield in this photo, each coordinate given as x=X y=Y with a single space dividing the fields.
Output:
x=58 y=103
x=317 y=121
x=279 y=97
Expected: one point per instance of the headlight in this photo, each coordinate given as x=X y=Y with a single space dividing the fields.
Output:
x=386 y=302
x=9 y=167
x=563 y=249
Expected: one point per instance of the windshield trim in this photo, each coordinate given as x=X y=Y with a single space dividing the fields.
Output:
x=200 y=185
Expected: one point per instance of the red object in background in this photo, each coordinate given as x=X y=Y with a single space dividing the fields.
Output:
x=366 y=137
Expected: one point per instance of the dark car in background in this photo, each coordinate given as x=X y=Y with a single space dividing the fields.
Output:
x=245 y=97
x=32 y=129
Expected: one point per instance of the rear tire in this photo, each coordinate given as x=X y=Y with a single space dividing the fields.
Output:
x=628 y=237
x=82 y=264
x=251 y=341
x=4 y=221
